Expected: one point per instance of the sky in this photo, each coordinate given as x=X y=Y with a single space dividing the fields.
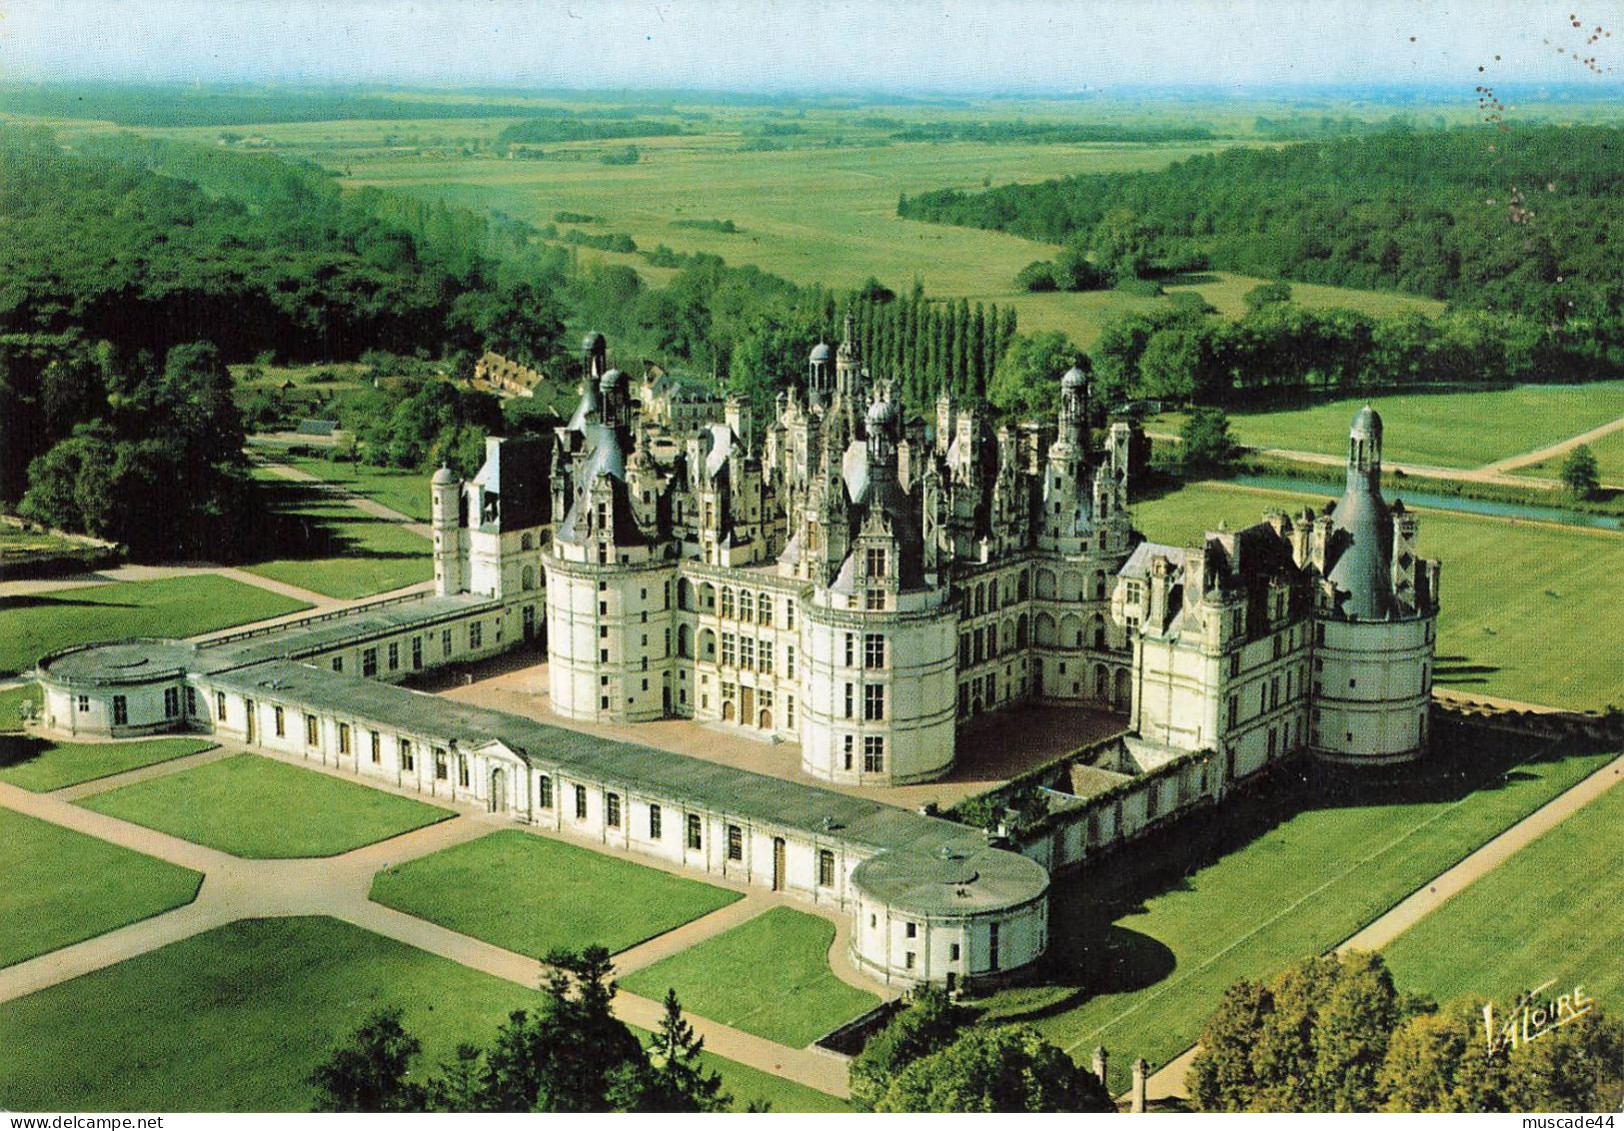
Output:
x=924 y=46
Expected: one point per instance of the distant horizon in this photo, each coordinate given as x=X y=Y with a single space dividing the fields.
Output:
x=826 y=48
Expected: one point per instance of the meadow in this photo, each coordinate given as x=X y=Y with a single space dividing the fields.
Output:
x=1437 y=429
x=531 y=895
x=1609 y=453
x=59 y=887
x=329 y=547
x=32 y=625
x=403 y=491
x=14 y=701
x=236 y=1018
x=257 y=808
x=1548 y=912
x=769 y=976
x=41 y=765
x=1142 y=953
x=1517 y=620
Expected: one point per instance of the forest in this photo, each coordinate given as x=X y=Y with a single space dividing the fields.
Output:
x=1520 y=219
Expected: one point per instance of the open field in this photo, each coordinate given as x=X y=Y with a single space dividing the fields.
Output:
x=13 y=701
x=257 y=808
x=528 y=894
x=404 y=491
x=1518 y=618
x=1147 y=950
x=41 y=765
x=15 y=542
x=1609 y=453
x=1438 y=429
x=342 y=552
x=59 y=887
x=1554 y=910
x=179 y=606
x=769 y=976
x=236 y=1018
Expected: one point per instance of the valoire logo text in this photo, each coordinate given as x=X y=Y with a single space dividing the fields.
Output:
x=1535 y=1013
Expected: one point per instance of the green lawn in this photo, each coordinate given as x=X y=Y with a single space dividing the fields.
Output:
x=1609 y=453
x=769 y=976
x=236 y=1018
x=1518 y=618
x=529 y=894
x=59 y=887
x=332 y=548
x=1142 y=953
x=404 y=491
x=1554 y=910
x=1439 y=429
x=258 y=808
x=31 y=626
x=41 y=765
x=12 y=702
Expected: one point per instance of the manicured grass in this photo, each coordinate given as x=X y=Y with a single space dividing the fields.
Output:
x=769 y=976
x=41 y=765
x=1437 y=429
x=15 y=541
x=33 y=625
x=1146 y=950
x=59 y=887
x=529 y=894
x=235 y=1019
x=1554 y=910
x=336 y=550
x=1609 y=453
x=404 y=491
x=12 y=702
x=1518 y=617
x=257 y=808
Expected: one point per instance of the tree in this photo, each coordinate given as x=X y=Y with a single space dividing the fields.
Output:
x=931 y=1021
x=1027 y=380
x=1037 y=275
x=1222 y=1077
x=1207 y=445
x=672 y=1078
x=1581 y=474
x=1265 y=293
x=1004 y=1069
x=370 y=1072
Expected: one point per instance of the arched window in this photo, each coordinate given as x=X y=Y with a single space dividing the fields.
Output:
x=1099 y=586
x=1071 y=632
x=685 y=594
x=1023 y=587
x=527 y=577
x=981 y=599
x=1123 y=693
x=1102 y=687
x=707 y=645
x=727 y=600
x=1099 y=631
x=747 y=604
x=707 y=596
x=685 y=642
x=525 y=542
x=1045 y=585
x=764 y=608
x=1045 y=629
x=1021 y=630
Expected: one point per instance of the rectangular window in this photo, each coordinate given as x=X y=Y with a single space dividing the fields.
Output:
x=1234 y=663
x=611 y=809
x=191 y=701
x=953 y=953
x=693 y=830
x=220 y=705
x=767 y=657
x=343 y=738
x=874 y=599
x=747 y=652
x=992 y=946
x=445 y=642
x=442 y=768
x=654 y=822
x=789 y=712
x=407 y=762
x=121 y=710
x=735 y=843
x=848 y=700
x=874 y=701
x=908 y=960
x=873 y=650
x=850 y=648
x=826 y=868
x=910 y=930
x=462 y=770
x=312 y=730
x=338 y=663
x=417 y=652
x=1234 y=709
x=544 y=792
x=476 y=636
x=580 y=803
x=789 y=613
x=727 y=602
x=394 y=655
x=789 y=661
x=369 y=663
x=876 y=562
x=171 y=702
x=377 y=748
x=873 y=754
x=729 y=650
x=846 y=747
x=279 y=722
x=764 y=609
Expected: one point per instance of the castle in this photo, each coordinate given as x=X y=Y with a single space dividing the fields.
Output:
x=849 y=584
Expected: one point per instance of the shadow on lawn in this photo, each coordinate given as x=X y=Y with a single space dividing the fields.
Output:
x=300 y=521
x=16 y=749
x=1090 y=954
x=45 y=601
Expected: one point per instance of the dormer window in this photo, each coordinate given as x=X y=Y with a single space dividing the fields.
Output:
x=876 y=562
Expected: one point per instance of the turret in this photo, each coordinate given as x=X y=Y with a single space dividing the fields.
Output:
x=445 y=495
